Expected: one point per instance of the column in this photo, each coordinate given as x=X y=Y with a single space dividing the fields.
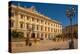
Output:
x=43 y=28
x=43 y=35
x=35 y=34
x=16 y=18
x=39 y=35
x=25 y=35
x=53 y=35
x=50 y=35
x=40 y=28
x=29 y=34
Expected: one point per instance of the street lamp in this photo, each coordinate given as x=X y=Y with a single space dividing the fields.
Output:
x=70 y=13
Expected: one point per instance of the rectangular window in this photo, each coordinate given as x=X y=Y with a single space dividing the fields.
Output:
x=37 y=20
x=42 y=21
x=33 y=19
x=37 y=27
x=51 y=29
x=51 y=24
x=48 y=29
x=12 y=14
x=26 y=26
x=27 y=17
x=22 y=16
x=45 y=23
x=21 y=25
x=12 y=23
x=41 y=28
x=45 y=28
x=48 y=23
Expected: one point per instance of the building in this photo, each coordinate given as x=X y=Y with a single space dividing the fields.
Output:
x=32 y=23
x=66 y=31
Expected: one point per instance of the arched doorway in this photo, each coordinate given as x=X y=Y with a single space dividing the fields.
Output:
x=33 y=35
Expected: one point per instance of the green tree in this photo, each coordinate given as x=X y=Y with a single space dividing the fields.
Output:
x=17 y=34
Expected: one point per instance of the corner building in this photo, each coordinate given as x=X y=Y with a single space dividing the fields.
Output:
x=33 y=23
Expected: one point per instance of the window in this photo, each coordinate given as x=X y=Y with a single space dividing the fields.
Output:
x=42 y=21
x=21 y=25
x=33 y=19
x=26 y=25
x=51 y=24
x=37 y=20
x=33 y=26
x=12 y=14
x=41 y=28
x=41 y=35
x=51 y=29
x=27 y=17
x=12 y=23
x=48 y=23
x=48 y=29
x=45 y=28
x=45 y=35
x=54 y=30
x=33 y=35
x=45 y=23
x=37 y=27
x=58 y=30
x=22 y=16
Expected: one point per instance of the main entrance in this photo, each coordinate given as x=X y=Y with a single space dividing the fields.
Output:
x=33 y=35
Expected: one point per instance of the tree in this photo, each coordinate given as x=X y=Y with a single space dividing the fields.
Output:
x=17 y=34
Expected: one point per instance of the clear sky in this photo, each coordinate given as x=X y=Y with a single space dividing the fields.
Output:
x=54 y=11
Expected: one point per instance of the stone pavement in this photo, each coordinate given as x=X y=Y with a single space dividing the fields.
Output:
x=45 y=45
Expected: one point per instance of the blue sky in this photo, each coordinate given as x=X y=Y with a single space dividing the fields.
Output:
x=54 y=11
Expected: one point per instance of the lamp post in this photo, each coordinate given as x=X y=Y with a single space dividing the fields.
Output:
x=70 y=13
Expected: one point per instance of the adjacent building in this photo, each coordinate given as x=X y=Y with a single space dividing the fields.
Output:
x=67 y=30
x=32 y=23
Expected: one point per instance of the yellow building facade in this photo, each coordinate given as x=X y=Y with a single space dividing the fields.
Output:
x=33 y=24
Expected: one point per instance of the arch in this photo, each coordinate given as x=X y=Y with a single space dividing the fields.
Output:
x=33 y=35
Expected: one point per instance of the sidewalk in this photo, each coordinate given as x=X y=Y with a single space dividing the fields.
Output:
x=45 y=45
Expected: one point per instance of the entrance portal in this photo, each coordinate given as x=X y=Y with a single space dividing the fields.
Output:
x=33 y=35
